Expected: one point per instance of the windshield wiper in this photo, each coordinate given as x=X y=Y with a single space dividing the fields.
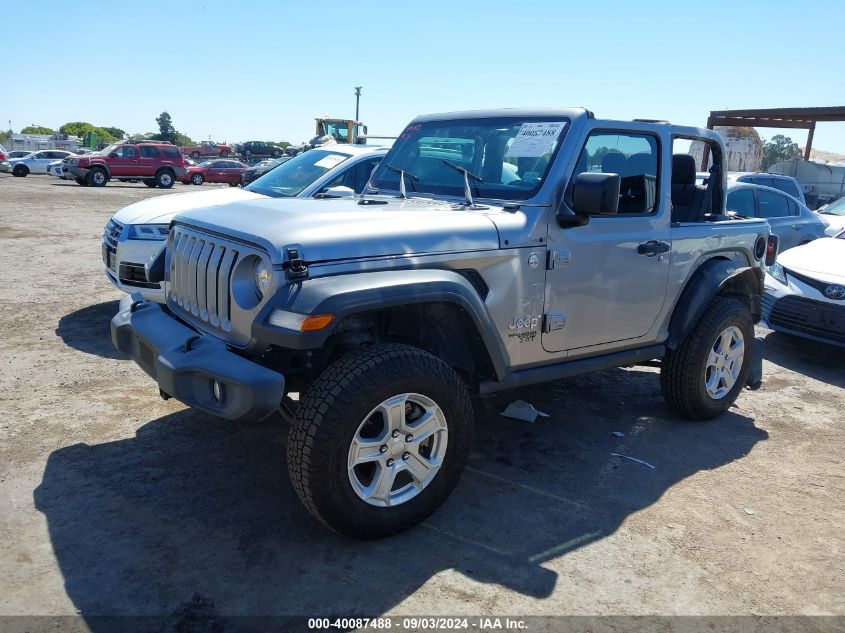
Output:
x=402 y=173
x=469 y=203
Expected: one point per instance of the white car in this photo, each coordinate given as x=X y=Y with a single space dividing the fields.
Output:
x=833 y=215
x=804 y=291
x=135 y=234
x=33 y=163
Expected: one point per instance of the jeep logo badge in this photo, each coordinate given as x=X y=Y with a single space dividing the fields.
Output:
x=835 y=291
x=530 y=322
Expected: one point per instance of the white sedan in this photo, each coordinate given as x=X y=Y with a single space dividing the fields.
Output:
x=33 y=163
x=833 y=215
x=805 y=291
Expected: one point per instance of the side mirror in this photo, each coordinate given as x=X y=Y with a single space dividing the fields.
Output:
x=338 y=192
x=113 y=155
x=596 y=194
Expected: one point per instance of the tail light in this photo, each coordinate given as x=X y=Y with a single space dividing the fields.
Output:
x=771 y=250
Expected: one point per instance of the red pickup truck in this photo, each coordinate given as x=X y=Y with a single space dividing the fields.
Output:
x=207 y=148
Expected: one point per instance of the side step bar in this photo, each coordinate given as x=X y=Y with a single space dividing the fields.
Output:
x=571 y=368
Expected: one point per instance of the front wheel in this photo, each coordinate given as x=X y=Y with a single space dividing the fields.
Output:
x=380 y=440
x=703 y=377
x=197 y=179
x=21 y=171
x=97 y=177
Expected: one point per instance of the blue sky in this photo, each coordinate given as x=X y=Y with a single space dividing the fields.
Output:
x=264 y=69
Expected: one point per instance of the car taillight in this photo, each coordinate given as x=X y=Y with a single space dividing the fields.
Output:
x=771 y=250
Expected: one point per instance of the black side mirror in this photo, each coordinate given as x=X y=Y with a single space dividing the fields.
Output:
x=596 y=194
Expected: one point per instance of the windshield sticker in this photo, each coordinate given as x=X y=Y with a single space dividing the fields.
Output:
x=330 y=161
x=535 y=139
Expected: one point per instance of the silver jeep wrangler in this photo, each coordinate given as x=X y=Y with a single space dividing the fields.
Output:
x=491 y=250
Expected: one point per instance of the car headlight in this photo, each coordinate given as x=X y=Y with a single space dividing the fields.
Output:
x=263 y=275
x=777 y=271
x=148 y=231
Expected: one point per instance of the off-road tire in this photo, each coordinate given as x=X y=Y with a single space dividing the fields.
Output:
x=682 y=371
x=97 y=177
x=21 y=171
x=329 y=415
x=164 y=178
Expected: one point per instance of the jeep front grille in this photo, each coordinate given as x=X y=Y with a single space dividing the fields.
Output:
x=200 y=271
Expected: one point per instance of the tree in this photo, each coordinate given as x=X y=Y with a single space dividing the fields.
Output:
x=116 y=132
x=779 y=148
x=166 y=131
x=36 y=129
x=81 y=128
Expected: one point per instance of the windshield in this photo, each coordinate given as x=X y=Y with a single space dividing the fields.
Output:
x=835 y=208
x=511 y=156
x=293 y=176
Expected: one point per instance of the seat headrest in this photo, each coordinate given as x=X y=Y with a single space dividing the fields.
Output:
x=639 y=164
x=683 y=169
x=613 y=163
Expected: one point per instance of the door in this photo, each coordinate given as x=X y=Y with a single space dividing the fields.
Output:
x=782 y=216
x=123 y=161
x=39 y=162
x=216 y=172
x=606 y=281
x=148 y=160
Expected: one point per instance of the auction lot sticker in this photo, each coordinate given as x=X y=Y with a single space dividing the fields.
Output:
x=535 y=139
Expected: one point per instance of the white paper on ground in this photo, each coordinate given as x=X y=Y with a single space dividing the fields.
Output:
x=521 y=410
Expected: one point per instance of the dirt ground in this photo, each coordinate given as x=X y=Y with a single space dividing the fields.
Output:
x=113 y=501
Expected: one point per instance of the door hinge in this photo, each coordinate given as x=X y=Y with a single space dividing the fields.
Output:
x=554 y=321
x=558 y=259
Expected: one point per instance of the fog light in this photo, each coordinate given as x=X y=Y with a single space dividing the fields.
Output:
x=217 y=390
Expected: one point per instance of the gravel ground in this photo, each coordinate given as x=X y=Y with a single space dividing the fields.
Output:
x=113 y=501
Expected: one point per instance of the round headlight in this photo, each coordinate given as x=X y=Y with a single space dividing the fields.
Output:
x=263 y=276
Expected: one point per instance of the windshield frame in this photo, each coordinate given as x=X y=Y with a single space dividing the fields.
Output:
x=385 y=182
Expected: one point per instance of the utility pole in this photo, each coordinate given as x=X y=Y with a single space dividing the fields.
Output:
x=357 y=101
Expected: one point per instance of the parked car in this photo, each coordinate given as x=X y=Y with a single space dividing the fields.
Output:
x=136 y=233
x=833 y=215
x=207 y=148
x=804 y=292
x=3 y=153
x=33 y=162
x=787 y=184
x=390 y=312
x=155 y=163
x=18 y=153
x=791 y=221
x=258 y=148
x=259 y=169
x=226 y=171
x=55 y=168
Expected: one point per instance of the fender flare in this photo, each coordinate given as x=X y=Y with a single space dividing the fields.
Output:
x=713 y=277
x=348 y=294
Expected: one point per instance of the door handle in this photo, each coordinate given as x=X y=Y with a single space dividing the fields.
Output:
x=652 y=247
x=796 y=226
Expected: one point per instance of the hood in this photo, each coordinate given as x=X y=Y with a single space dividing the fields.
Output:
x=161 y=209
x=342 y=229
x=822 y=259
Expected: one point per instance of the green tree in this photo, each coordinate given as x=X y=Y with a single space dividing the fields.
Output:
x=81 y=128
x=166 y=131
x=36 y=129
x=779 y=148
x=116 y=132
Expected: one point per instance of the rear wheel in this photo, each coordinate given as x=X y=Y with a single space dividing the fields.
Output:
x=97 y=177
x=164 y=178
x=704 y=375
x=21 y=171
x=380 y=440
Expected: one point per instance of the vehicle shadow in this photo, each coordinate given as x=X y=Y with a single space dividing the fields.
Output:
x=88 y=329
x=195 y=516
x=821 y=361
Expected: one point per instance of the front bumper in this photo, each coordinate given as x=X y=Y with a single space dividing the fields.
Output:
x=802 y=310
x=186 y=364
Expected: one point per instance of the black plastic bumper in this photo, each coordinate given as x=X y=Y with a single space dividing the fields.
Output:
x=186 y=364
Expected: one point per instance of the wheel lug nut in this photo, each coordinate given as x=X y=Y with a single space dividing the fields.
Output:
x=390 y=461
x=406 y=455
x=382 y=448
x=409 y=438
x=395 y=433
